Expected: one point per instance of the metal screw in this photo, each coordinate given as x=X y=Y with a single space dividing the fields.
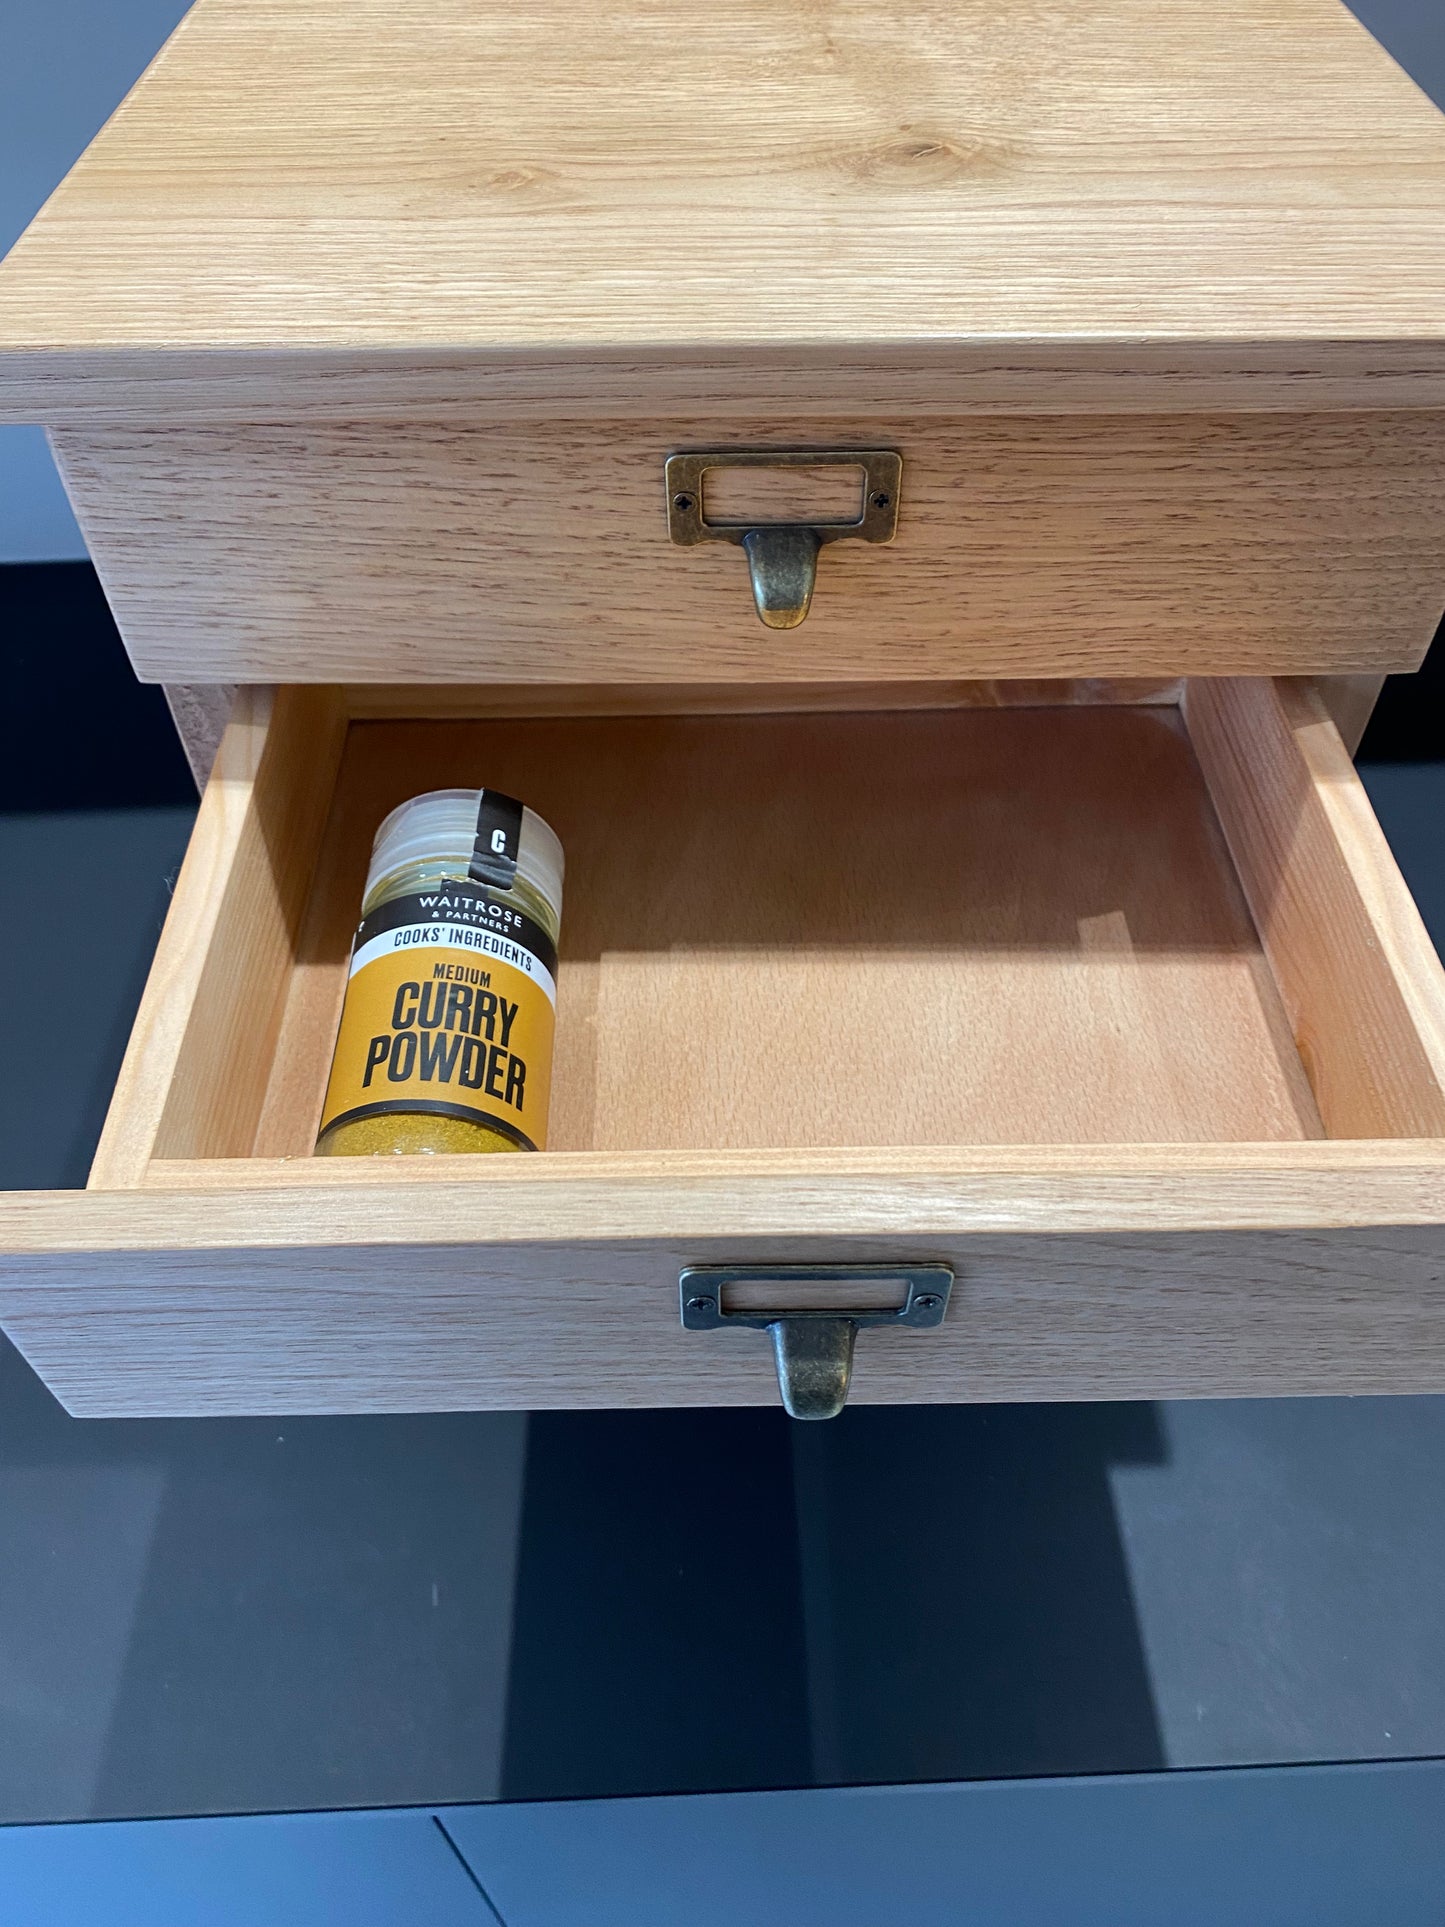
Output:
x=683 y=502
x=927 y=1301
x=880 y=500
x=702 y=1304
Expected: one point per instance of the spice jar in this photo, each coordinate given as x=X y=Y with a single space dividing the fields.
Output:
x=446 y=1034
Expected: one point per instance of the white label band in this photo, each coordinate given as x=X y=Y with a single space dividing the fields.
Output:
x=462 y=941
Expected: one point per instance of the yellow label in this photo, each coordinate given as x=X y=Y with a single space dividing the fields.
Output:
x=450 y=1008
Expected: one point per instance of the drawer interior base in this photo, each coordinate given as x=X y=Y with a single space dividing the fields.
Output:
x=967 y=926
x=1096 y=924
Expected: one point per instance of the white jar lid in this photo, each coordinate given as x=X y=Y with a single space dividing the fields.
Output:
x=441 y=827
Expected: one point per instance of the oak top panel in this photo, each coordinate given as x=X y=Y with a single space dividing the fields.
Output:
x=303 y=178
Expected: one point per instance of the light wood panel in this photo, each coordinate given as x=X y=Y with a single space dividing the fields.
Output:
x=1034 y=1188
x=1051 y=547
x=1359 y=976
x=452 y=701
x=453 y=1296
x=201 y=711
x=843 y=930
x=481 y=195
x=964 y=375
x=196 y=1066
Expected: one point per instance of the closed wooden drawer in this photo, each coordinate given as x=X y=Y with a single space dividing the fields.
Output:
x=1035 y=545
x=1119 y=1008
x=362 y=352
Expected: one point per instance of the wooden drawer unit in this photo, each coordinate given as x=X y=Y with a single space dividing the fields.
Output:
x=1121 y=1010
x=1017 y=912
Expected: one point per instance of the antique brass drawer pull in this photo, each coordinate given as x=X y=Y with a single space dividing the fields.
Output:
x=783 y=556
x=813 y=1346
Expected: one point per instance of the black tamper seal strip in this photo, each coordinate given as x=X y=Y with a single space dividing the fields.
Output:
x=498 y=840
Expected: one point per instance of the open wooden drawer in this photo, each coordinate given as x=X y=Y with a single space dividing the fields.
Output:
x=1119 y=1008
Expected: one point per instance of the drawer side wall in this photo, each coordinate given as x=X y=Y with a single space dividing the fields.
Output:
x=1357 y=973
x=201 y=1049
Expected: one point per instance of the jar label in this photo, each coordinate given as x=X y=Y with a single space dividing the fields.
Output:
x=451 y=1005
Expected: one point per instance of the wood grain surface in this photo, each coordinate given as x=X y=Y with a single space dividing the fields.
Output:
x=849 y=930
x=196 y=1066
x=201 y=711
x=873 y=383
x=1115 y=945
x=452 y=1296
x=393 y=702
x=1357 y=971
x=1049 y=547
x=306 y=201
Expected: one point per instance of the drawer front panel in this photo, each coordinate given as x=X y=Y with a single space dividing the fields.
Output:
x=332 y=1327
x=1027 y=547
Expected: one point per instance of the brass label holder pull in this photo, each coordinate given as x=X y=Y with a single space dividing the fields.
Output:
x=783 y=556
x=813 y=1346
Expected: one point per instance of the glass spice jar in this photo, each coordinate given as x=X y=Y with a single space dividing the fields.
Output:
x=446 y=1034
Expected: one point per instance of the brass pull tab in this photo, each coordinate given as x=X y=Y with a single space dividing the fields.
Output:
x=783 y=556
x=814 y=1357
x=813 y=1343
x=783 y=563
